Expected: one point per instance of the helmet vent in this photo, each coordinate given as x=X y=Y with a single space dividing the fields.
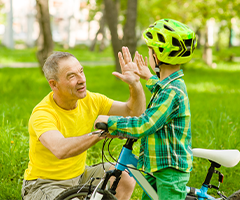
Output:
x=194 y=43
x=149 y=35
x=161 y=49
x=188 y=43
x=187 y=53
x=168 y=27
x=166 y=20
x=175 y=42
x=173 y=53
x=161 y=38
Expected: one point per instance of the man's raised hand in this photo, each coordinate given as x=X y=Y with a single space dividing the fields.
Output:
x=128 y=68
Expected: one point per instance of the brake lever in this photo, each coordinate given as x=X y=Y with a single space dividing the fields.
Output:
x=100 y=133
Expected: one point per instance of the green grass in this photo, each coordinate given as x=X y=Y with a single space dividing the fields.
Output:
x=29 y=55
x=214 y=98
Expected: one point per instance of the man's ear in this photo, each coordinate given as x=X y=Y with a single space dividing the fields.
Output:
x=53 y=84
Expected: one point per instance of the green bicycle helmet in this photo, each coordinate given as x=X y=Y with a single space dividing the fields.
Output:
x=172 y=41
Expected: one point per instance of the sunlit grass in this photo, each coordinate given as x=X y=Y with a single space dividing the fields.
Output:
x=14 y=151
x=81 y=52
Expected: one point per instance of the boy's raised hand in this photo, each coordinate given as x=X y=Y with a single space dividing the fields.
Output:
x=128 y=68
x=143 y=70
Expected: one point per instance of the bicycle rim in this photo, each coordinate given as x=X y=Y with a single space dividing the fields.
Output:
x=74 y=193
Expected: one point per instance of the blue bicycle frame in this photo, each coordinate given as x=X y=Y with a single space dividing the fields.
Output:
x=128 y=161
x=201 y=193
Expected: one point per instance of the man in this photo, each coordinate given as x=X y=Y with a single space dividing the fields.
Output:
x=60 y=123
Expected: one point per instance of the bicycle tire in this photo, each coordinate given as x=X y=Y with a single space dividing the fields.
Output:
x=71 y=193
x=234 y=196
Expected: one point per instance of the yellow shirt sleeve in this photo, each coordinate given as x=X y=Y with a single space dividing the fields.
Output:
x=101 y=102
x=43 y=121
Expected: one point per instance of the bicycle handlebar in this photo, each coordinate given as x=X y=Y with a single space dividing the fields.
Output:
x=102 y=126
x=102 y=129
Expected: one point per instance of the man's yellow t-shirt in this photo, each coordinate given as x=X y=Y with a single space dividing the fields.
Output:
x=46 y=116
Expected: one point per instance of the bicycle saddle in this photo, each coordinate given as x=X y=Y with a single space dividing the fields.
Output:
x=226 y=158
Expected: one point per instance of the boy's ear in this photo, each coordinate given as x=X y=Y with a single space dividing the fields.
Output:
x=53 y=84
x=155 y=56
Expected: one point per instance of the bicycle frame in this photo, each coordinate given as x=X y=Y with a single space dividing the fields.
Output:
x=201 y=193
x=128 y=161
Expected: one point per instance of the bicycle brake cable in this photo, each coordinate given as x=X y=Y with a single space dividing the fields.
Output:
x=103 y=155
x=126 y=165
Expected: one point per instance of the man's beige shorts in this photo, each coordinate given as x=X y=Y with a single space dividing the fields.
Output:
x=46 y=189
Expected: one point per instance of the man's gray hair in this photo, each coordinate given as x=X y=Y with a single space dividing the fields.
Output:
x=50 y=67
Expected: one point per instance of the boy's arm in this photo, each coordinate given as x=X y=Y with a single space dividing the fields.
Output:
x=152 y=83
x=164 y=108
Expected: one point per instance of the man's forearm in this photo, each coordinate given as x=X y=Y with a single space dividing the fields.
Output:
x=137 y=101
x=63 y=147
x=77 y=145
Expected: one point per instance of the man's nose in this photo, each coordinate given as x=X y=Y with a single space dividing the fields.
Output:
x=81 y=79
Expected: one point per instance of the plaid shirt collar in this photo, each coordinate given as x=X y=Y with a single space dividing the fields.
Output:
x=172 y=77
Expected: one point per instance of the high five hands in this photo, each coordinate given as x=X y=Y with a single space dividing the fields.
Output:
x=132 y=71
x=128 y=68
x=143 y=70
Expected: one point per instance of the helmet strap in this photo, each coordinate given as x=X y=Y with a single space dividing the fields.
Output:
x=157 y=67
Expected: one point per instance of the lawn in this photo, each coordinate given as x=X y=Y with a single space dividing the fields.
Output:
x=214 y=97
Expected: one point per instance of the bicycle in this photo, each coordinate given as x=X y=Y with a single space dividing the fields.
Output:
x=128 y=161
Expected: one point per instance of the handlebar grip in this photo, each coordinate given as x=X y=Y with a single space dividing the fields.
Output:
x=102 y=126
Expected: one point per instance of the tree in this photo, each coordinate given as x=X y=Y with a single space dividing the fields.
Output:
x=45 y=41
x=113 y=11
x=129 y=33
x=228 y=11
x=102 y=31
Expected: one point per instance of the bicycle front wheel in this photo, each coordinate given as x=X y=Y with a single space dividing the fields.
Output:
x=72 y=193
x=234 y=196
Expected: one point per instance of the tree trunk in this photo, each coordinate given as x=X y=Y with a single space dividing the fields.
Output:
x=112 y=21
x=198 y=33
x=230 y=35
x=219 y=38
x=129 y=38
x=101 y=30
x=45 y=41
x=207 y=50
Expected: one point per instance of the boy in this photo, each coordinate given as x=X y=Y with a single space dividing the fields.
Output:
x=165 y=126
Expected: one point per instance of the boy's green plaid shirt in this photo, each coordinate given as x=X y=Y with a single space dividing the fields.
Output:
x=165 y=126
